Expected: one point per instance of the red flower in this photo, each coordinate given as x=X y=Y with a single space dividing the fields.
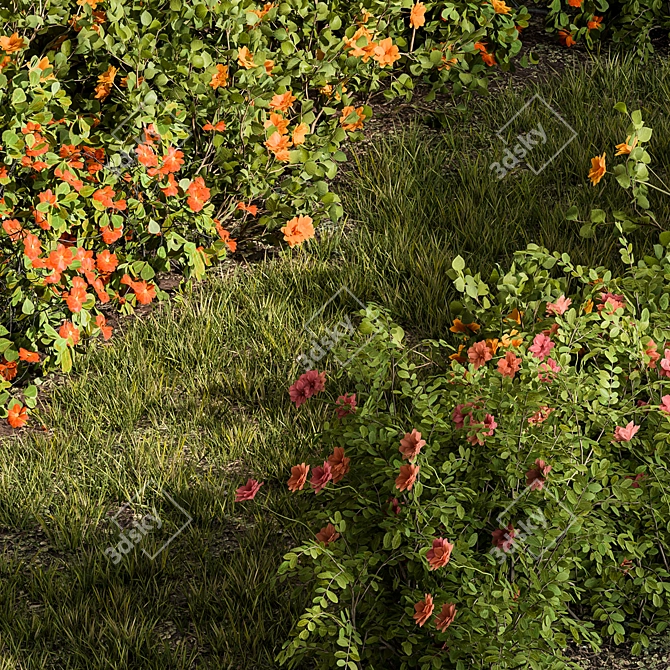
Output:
x=306 y=386
x=504 y=539
x=347 y=405
x=537 y=476
x=248 y=491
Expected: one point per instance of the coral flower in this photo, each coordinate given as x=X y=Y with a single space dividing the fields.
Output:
x=417 y=17
x=111 y=235
x=625 y=434
x=29 y=356
x=446 y=617
x=220 y=77
x=339 y=464
x=501 y=8
x=423 y=610
x=345 y=405
x=248 y=491
x=321 y=475
x=17 y=415
x=106 y=261
x=559 y=307
x=478 y=354
x=537 y=476
x=541 y=415
x=105 y=330
x=541 y=346
x=298 y=477
x=504 y=539
x=405 y=480
x=598 y=169
x=298 y=230
x=509 y=366
x=411 y=444
x=440 y=553
x=651 y=350
x=386 y=53
x=198 y=194
x=282 y=102
x=68 y=331
x=665 y=404
x=278 y=145
x=327 y=534
x=486 y=429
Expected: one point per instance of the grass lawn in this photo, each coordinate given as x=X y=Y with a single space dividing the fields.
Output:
x=192 y=399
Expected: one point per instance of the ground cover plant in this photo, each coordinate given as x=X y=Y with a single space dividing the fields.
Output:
x=195 y=398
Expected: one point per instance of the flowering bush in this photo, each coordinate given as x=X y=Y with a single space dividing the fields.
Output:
x=142 y=137
x=486 y=499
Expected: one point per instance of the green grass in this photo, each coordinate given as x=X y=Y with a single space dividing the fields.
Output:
x=194 y=397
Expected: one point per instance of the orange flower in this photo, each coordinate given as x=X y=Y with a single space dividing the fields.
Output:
x=588 y=307
x=446 y=616
x=269 y=66
x=339 y=464
x=460 y=327
x=566 y=38
x=386 y=53
x=171 y=189
x=278 y=144
x=17 y=415
x=365 y=52
x=219 y=127
x=29 y=356
x=198 y=194
x=417 y=17
x=11 y=44
x=625 y=148
x=144 y=292
x=511 y=341
x=278 y=121
x=575 y=3
x=405 y=480
x=70 y=178
x=106 y=330
x=598 y=169
x=595 y=23
x=105 y=83
x=501 y=8
x=32 y=247
x=8 y=369
x=299 y=133
x=282 y=102
x=110 y=235
x=106 y=261
x=423 y=610
x=91 y=3
x=298 y=477
x=327 y=535
x=225 y=236
x=245 y=58
x=260 y=13
x=252 y=209
x=68 y=331
x=146 y=156
x=509 y=366
x=347 y=112
x=493 y=345
x=515 y=315
x=298 y=230
x=76 y=298
x=220 y=77
x=458 y=355
x=13 y=228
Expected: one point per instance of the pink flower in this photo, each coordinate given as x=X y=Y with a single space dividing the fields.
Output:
x=665 y=404
x=248 y=491
x=440 y=553
x=559 y=307
x=541 y=415
x=306 y=386
x=321 y=475
x=458 y=416
x=537 y=476
x=625 y=434
x=509 y=365
x=347 y=405
x=479 y=353
x=614 y=300
x=541 y=346
x=665 y=364
x=411 y=444
x=549 y=367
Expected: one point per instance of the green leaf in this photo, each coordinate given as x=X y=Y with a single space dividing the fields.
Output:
x=458 y=264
